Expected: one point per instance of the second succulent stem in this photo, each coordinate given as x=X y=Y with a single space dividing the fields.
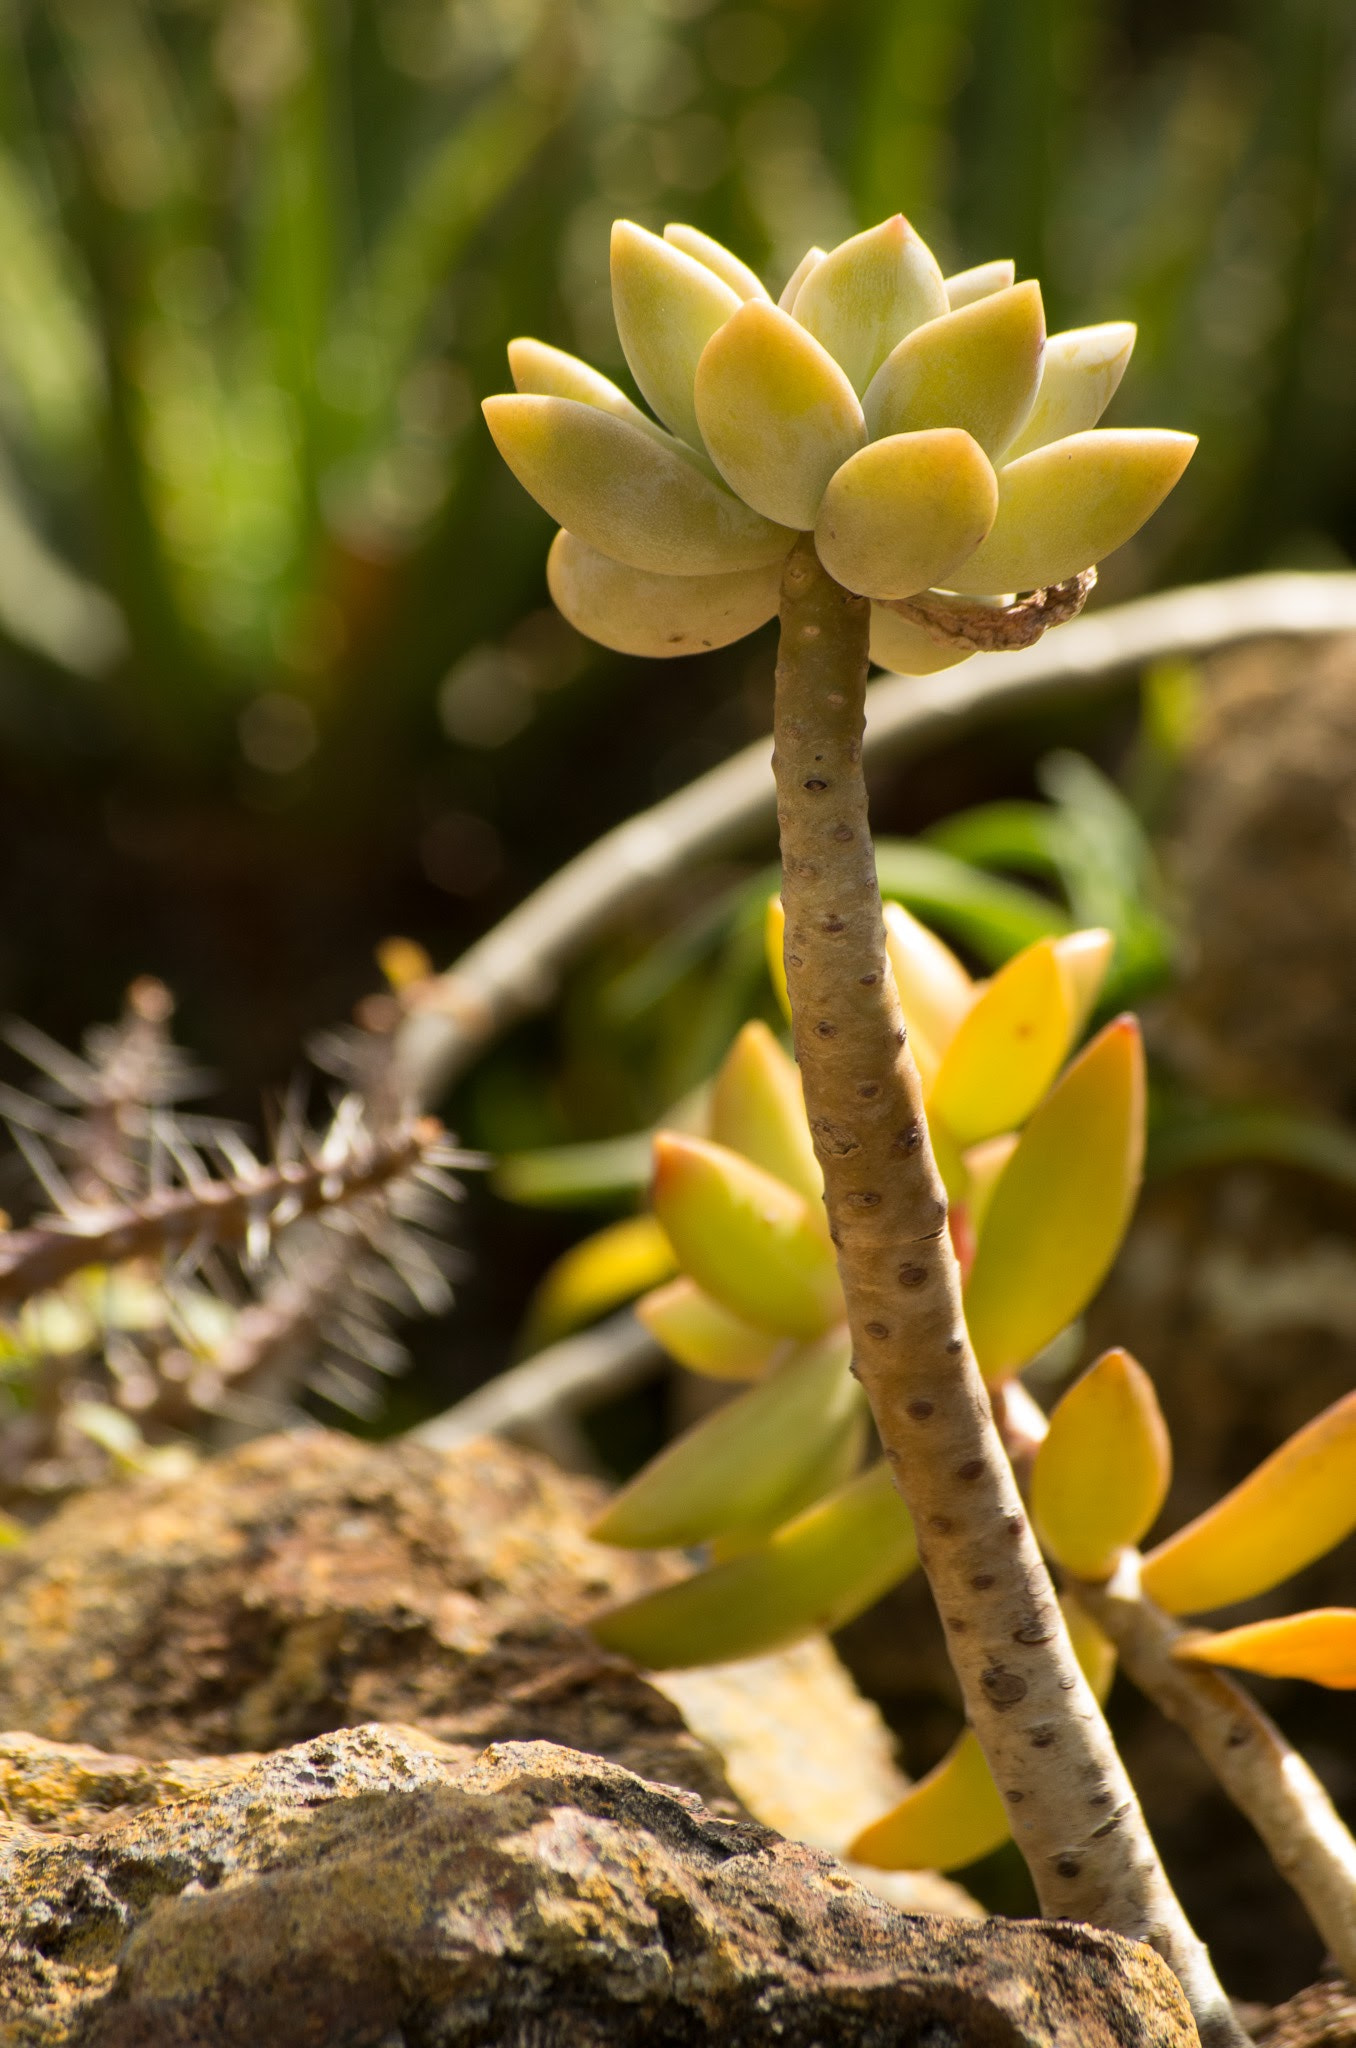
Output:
x=1072 y=1808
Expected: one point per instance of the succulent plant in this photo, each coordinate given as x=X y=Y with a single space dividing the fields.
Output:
x=924 y=428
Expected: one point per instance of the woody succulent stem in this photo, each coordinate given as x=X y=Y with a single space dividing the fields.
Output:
x=1266 y=1779
x=1072 y=1808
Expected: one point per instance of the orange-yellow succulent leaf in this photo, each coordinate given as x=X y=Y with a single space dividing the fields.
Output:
x=817 y=1571
x=1059 y=1211
x=950 y=1818
x=737 y=1466
x=935 y=992
x=1095 y=1652
x=984 y=1164
x=1007 y=1048
x=774 y=942
x=1319 y=1646
x=1297 y=1505
x=903 y=513
x=705 y=1337
x=757 y=1109
x=745 y=1237
x=1101 y=1474
x=1084 y=958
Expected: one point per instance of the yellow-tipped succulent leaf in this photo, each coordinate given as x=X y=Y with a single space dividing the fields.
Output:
x=1079 y=375
x=1066 y=506
x=868 y=293
x=1062 y=1204
x=745 y=1237
x=1007 y=1049
x=905 y=649
x=777 y=414
x=955 y=1815
x=1319 y=1645
x=1299 y=1504
x=704 y=1336
x=667 y=305
x=818 y=1571
x=906 y=512
x=1084 y=958
x=757 y=1109
x=966 y=286
x=774 y=940
x=950 y=1818
x=1101 y=1474
x=627 y=493
x=596 y=1276
x=976 y=368
x=636 y=611
x=934 y=989
x=743 y=282
x=735 y=1468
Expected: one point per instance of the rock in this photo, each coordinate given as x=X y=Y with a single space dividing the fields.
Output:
x=310 y=1582
x=1323 y=2016
x=374 y=1887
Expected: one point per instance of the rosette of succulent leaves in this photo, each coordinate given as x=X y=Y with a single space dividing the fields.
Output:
x=941 y=448
x=171 y=1283
x=884 y=433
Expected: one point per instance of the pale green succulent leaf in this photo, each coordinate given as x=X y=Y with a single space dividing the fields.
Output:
x=667 y=306
x=545 y=372
x=868 y=293
x=704 y=249
x=777 y=414
x=976 y=283
x=636 y=611
x=977 y=368
x=1065 y=507
x=1079 y=375
x=906 y=512
x=632 y=497
x=735 y=1467
x=905 y=649
x=798 y=277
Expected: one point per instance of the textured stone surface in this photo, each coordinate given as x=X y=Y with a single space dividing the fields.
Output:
x=309 y=1582
x=1323 y=2016
x=374 y=1888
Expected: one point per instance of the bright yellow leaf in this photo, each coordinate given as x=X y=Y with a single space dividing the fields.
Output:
x=637 y=612
x=757 y=1109
x=1319 y=1646
x=667 y=305
x=738 y=1465
x=745 y=1237
x=633 y=496
x=1057 y=1216
x=867 y=294
x=935 y=992
x=1084 y=958
x=777 y=415
x=950 y=1818
x=774 y=942
x=1068 y=505
x=1298 y=1504
x=1007 y=1048
x=977 y=368
x=727 y=266
x=597 y=1275
x=904 y=513
x=705 y=1337
x=984 y=1164
x=1101 y=1475
x=818 y=1571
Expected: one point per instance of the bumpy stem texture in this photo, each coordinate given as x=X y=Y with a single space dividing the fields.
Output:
x=1072 y=1808
x=1267 y=1780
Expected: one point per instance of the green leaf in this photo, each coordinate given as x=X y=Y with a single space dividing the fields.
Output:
x=818 y=1571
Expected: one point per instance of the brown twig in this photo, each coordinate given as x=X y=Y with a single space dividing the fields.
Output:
x=1072 y=1808
x=977 y=628
x=219 y=1212
x=1267 y=1780
x=515 y=969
